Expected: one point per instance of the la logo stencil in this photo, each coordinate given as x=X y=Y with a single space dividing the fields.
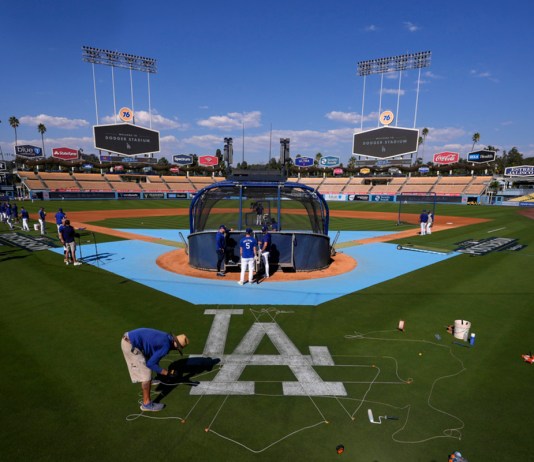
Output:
x=226 y=382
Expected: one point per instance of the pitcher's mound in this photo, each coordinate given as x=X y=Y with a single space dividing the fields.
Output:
x=178 y=262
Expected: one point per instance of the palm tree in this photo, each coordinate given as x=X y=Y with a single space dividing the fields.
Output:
x=42 y=130
x=476 y=139
x=422 y=140
x=14 y=122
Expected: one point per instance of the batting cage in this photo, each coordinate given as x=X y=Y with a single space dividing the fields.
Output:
x=295 y=214
x=412 y=204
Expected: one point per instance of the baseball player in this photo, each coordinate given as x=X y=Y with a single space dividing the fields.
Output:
x=265 y=248
x=25 y=216
x=247 y=249
x=429 y=222
x=42 y=220
x=423 y=220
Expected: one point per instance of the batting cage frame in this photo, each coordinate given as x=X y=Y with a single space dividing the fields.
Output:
x=412 y=204
x=296 y=214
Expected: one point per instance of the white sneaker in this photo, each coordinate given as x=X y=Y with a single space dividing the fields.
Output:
x=77 y=263
x=240 y=283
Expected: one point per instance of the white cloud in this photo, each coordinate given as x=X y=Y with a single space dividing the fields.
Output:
x=431 y=75
x=52 y=121
x=143 y=118
x=411 y=26
x=232 y=120
x=393 y=91
x=440 y=135
x=350 y=117
x=370 y=28
x=483 y=75
x=345 y=117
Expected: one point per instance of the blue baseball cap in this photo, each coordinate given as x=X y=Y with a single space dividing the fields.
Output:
x=248 y=230
x=264 y=228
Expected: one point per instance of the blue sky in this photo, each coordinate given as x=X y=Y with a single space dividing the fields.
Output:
x=286 y=64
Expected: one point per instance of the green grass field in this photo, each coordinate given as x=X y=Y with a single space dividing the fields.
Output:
x=67 y=393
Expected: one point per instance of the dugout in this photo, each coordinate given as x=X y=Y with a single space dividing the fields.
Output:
x=296 y=214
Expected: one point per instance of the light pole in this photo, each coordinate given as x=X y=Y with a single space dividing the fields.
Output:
x=228 y=155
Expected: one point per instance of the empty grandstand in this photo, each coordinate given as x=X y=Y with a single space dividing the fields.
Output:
x=111 y=185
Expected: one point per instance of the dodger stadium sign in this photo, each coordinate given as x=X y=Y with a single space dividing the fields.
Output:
x=385 y=142
x=126 y=139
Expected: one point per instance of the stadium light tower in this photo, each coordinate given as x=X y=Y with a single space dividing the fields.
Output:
x=394 y=64
x=228 y=150
x=123 y=60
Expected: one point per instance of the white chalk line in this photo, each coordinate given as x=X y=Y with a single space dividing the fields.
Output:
x=454 y=433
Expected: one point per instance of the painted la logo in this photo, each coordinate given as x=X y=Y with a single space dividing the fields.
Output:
x=226 y=382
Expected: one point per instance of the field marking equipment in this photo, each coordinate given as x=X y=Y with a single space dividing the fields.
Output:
x=379 y=421
x=485 y=246
x=424 y=249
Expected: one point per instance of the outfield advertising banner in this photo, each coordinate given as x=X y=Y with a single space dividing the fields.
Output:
x=303 y=161
x=335 y=197
x=329 y=161
x=382 y=198
x=126 y=139
x=358 y=197
x=28 y=150
x=129 y=195
x=182 y=159
x=208 y=161
x=153 y=195
x=65 y=153
x=385 y=142
x=446 y=157
x=177 y=195
x=522 y=170
x=481 y=156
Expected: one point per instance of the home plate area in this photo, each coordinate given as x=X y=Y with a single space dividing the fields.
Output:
x=375 y=263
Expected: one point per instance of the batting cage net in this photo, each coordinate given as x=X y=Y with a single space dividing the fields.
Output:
x=412 y=204
x=239 y=205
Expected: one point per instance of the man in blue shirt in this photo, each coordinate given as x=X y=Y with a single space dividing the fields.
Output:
x=59 y=218
x=423 y=219
x=143 y=349
x=67 y=235
x=265 y=248
x=42 y=220
x=25 y=216
x=220 y=245
x=247 y=250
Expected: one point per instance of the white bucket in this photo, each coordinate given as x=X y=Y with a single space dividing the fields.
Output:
x=36 y=227
x=461 y=329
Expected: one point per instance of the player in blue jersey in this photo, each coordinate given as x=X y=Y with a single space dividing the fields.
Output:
x=42 y=220
x=423 y=220
x=265 y=249
x=59 y=218
x=25 y=217
x=143 y=349
x=247 y=249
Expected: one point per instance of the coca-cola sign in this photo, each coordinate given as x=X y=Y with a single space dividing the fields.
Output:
x=65 y=153
x=446 y=157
